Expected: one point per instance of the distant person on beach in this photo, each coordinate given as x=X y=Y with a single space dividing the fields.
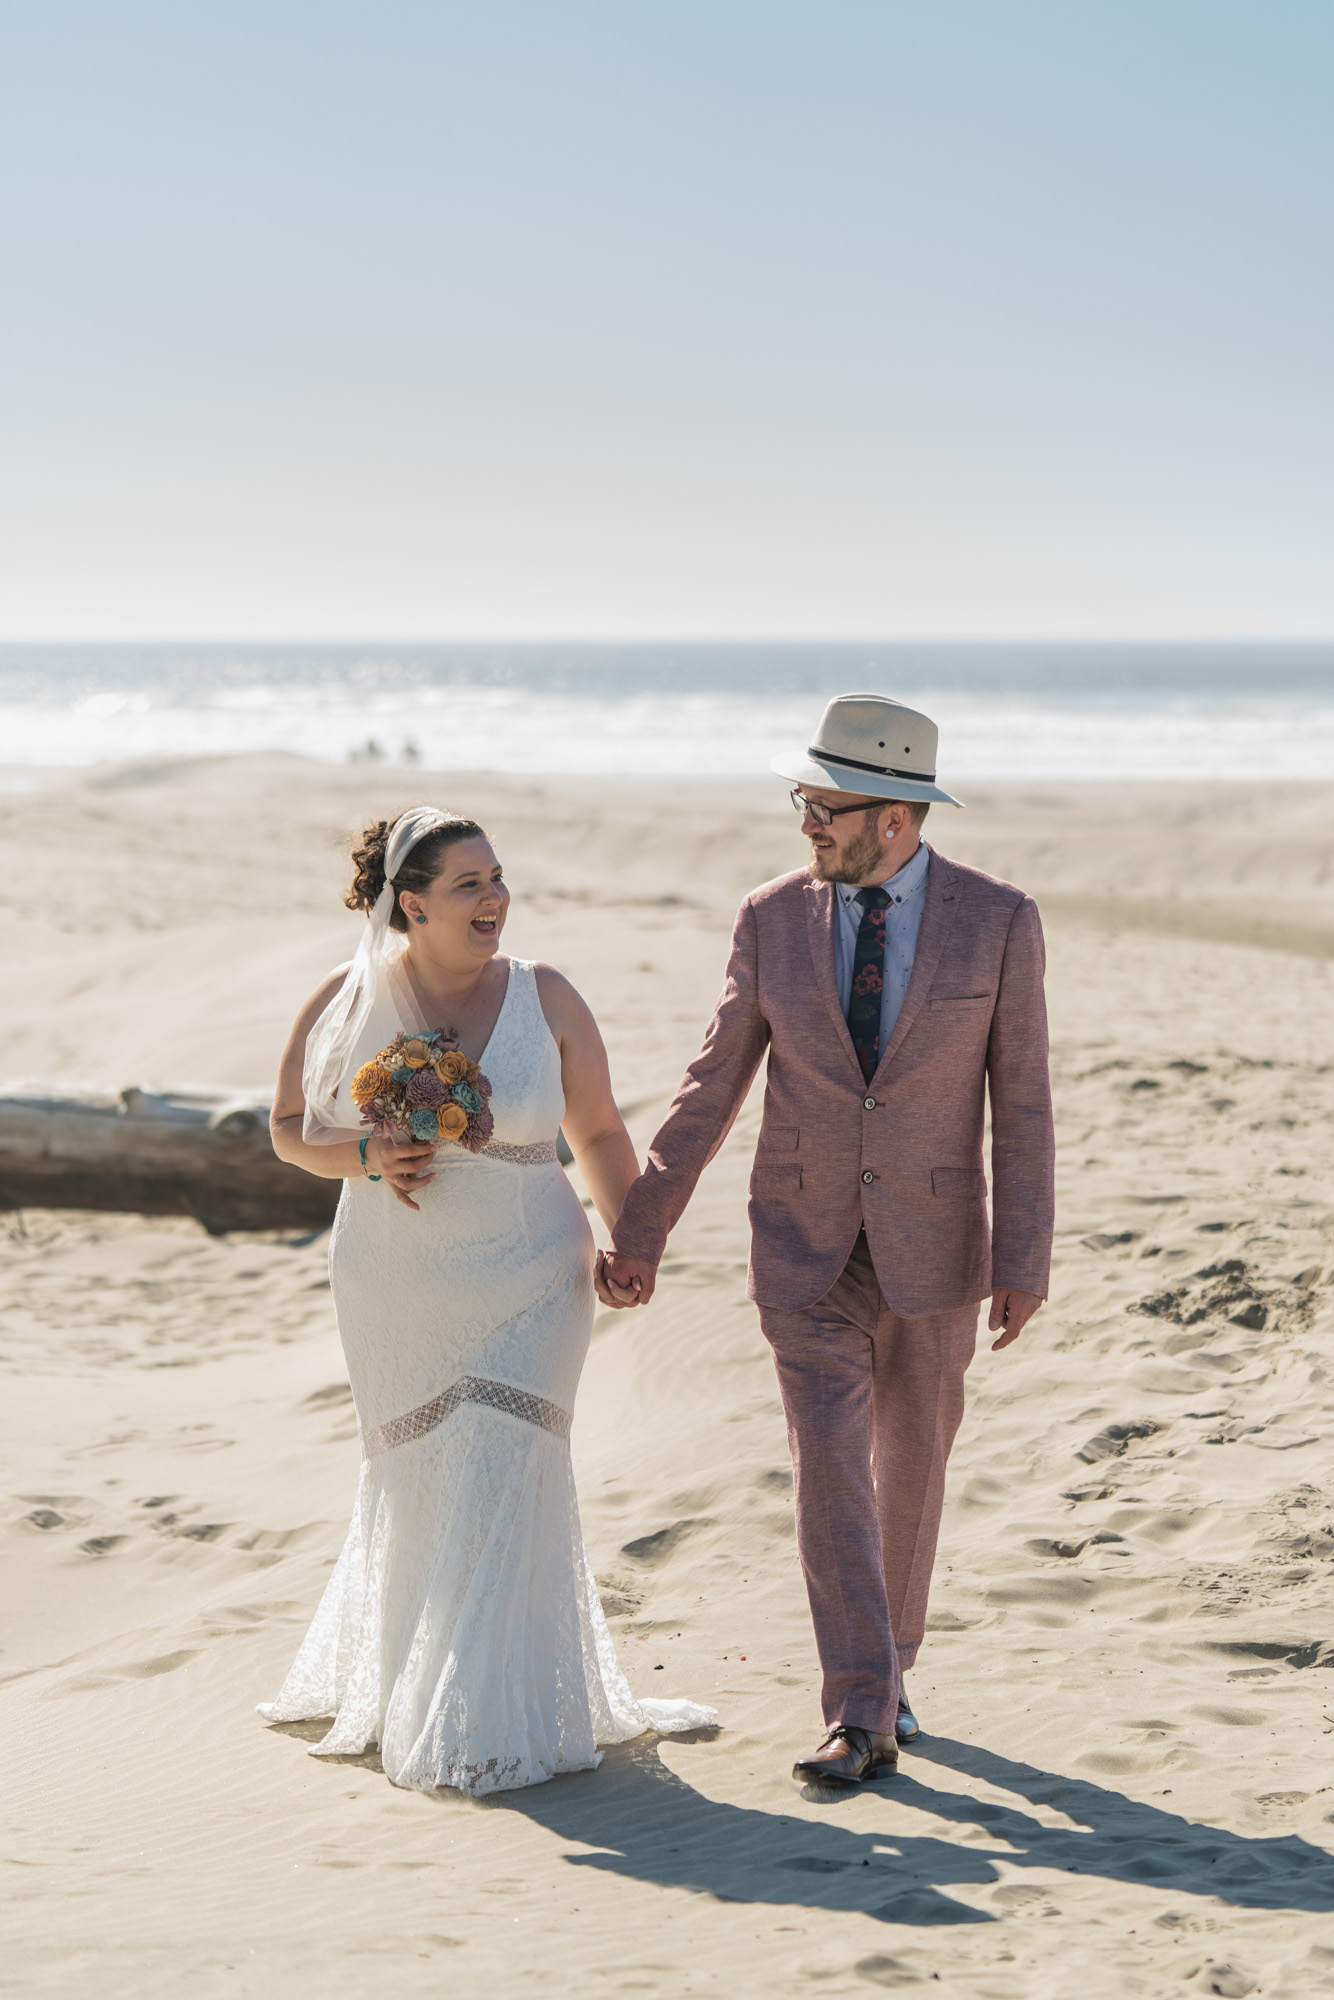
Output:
x=891 y=989
x=461 y=1631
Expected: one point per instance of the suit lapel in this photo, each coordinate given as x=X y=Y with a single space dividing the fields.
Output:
x=822 y=915
x=941 y=903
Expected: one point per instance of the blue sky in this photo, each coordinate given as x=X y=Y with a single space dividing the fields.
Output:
x=709 y=317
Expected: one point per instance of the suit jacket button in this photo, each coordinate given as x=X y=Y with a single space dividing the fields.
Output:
x=868 y=1104
x=868 y=1176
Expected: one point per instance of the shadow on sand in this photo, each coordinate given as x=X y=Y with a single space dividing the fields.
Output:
x=652 y=1827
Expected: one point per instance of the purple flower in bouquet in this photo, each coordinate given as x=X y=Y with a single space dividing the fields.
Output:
x=484 y=1084
x=426 y=1092
x=480 y=1128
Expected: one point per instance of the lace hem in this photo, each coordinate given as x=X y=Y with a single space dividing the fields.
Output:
x=416 y=1423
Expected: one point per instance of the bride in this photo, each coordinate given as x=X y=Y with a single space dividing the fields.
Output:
x=461 y=1629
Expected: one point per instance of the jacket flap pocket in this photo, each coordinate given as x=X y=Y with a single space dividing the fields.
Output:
x=779 y=1139
x=958 y=1183
x=783 y=1178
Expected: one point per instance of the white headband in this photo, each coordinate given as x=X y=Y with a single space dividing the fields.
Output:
x=409 y=828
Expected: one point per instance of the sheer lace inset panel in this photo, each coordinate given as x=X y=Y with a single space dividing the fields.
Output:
x=468 y=1389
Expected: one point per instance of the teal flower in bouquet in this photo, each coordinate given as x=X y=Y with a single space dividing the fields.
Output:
x=469 y=1097
x=423 y=1125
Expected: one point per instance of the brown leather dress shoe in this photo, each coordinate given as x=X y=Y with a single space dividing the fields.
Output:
x=848 y=1756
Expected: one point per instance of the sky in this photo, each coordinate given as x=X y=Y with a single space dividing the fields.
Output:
x=666 y=319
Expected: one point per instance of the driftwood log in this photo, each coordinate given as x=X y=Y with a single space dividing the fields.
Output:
x=204 y=1153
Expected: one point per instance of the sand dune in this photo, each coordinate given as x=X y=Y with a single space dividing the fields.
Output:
x=1126 y=1784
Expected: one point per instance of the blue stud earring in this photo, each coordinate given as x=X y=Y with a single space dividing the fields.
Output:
x=419 y=918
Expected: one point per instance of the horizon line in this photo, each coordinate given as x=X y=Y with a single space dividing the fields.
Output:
x=681 y=639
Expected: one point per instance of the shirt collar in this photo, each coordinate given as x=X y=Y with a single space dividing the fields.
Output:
x=909 y=881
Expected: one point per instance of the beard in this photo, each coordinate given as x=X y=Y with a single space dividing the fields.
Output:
x=857 y=862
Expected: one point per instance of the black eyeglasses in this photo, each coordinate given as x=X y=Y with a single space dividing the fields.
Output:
x=824 y=815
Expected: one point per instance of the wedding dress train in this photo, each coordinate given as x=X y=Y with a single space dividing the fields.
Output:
x=461 y=1629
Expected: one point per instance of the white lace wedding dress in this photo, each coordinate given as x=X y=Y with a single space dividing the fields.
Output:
x=461 y=1629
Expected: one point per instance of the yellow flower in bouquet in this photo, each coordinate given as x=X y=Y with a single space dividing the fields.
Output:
x=453 y=1067
x=453 y=1121
x=416 y=1055
x=371 y=1081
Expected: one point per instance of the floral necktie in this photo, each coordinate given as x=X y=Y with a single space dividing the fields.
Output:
x=868 y=980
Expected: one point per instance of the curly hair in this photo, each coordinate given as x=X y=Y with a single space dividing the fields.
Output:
x=416 y=873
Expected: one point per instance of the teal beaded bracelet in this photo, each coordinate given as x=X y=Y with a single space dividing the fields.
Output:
x=361 y=1154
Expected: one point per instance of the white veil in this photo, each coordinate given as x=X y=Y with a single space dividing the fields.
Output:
x=331 y=1116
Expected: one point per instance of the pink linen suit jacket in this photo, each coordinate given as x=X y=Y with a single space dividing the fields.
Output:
x=900 y=1156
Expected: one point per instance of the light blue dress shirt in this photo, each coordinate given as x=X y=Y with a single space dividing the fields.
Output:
x=903 y=920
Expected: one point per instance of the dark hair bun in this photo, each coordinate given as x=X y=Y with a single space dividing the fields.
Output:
x=416 y=872
x=368 y=861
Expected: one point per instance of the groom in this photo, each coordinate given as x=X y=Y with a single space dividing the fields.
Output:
x=891 y=989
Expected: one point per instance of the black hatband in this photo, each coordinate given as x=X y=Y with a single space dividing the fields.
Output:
x=881 y=770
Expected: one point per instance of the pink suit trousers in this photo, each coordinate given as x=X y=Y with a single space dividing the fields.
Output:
x=873 y=1402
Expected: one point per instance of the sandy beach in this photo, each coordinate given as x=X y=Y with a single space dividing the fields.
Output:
x=1125 y=1784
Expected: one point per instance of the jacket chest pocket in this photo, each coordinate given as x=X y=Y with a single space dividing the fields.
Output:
x=961 y=1004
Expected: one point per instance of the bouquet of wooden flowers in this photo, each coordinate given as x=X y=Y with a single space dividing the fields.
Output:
x=423 y=1087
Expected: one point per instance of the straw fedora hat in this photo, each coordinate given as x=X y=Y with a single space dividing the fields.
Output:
x=869 y=744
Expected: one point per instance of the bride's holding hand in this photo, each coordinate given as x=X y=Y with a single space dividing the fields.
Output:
x=461 y=1630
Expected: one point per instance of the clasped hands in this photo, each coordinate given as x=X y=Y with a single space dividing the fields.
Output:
x=623 y=1281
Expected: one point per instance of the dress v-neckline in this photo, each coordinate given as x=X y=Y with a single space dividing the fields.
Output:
x=421 y=1023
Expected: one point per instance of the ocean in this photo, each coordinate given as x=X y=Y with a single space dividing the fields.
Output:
x=1032 y=712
